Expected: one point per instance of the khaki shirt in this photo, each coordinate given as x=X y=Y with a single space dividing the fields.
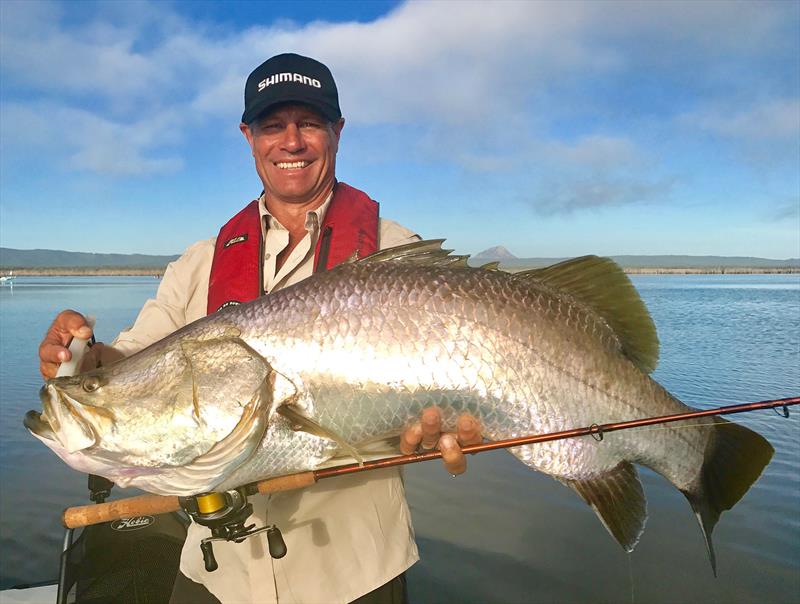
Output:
x=345 y=536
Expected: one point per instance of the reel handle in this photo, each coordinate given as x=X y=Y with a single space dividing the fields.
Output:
x=208 y=556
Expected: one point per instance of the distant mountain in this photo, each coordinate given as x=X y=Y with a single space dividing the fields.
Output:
x=11 y=258
x=497 y=253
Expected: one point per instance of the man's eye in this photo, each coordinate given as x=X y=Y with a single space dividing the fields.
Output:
x=309 y=125
x=271 y=127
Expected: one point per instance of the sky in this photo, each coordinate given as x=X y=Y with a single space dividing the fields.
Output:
x=551 y=128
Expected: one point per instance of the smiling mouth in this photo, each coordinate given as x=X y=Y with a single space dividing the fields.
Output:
x=291 y=165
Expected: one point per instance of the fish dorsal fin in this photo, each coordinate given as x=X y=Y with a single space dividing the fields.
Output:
x=602 y=285
x=423 y=253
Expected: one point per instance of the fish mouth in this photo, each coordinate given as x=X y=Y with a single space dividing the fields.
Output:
x=61 y=420
x=33 y=421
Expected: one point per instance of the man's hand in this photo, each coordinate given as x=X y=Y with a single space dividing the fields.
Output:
x=427 y=434
x=53 y=350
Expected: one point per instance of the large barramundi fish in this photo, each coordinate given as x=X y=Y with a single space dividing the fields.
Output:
x=327 y=368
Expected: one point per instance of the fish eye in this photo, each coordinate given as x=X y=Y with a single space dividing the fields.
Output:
x=91 y=383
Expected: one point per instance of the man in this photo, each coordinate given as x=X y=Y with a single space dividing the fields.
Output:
x=347 y=540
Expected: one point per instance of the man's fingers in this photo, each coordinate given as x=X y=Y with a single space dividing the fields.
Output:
x=469 y=431
x=50 y=357
x=72 y=324
x=427 y=434
x=67 y=325
x=454 y=460
x=53 y=350
x=48 y=370
x=410 y=439
x=431 y=427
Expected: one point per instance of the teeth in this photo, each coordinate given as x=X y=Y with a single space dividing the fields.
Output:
x=291 y=165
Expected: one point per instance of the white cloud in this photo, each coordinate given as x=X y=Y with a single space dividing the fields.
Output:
x=596 y=191
x=43 y=54
x=83 y=141
x=478 y=75
x=593 y=172
x=772 y=120
x=788 y=210
x=442 y=60
x=597 y=153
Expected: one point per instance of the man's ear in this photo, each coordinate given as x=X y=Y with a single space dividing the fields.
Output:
x=337 y=127
x=247 y=134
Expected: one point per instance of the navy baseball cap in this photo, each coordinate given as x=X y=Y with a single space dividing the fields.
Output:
x=288 y=78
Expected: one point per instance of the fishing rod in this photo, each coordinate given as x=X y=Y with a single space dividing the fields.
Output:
x=211 y=503
x=225 y=513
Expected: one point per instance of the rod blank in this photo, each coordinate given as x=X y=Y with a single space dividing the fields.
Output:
x=79 y=516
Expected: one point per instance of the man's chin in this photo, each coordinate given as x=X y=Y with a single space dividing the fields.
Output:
x=314 y=196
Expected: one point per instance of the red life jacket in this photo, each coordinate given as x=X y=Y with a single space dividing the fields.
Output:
x=350 y=227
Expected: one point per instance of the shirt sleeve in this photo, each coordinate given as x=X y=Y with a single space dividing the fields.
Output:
x=181 y=298
x=393 y=234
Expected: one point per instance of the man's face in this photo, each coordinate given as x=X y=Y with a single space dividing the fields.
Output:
x=295 y=153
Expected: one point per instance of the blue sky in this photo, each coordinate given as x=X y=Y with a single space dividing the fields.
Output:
x=555 y=129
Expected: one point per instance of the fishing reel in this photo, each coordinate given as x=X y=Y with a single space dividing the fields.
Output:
x=225 y=514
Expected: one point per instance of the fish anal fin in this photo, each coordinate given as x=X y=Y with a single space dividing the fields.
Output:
x=618 y=500
x=300 y=421
x=734 y=458
x=603 y=286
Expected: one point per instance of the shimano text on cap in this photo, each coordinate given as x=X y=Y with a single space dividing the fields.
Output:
x=289 y=78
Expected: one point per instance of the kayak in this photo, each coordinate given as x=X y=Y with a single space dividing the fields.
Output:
x=127 y=561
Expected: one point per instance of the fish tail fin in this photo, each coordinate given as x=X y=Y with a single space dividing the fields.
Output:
x=733 y=460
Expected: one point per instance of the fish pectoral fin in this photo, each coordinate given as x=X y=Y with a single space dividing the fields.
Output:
x=368 y=451
x=302 y=422
x=383 y=447
x=618 y=500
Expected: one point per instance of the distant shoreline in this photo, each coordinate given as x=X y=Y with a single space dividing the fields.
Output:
x=88 y=272
x=727 y=270
x=158 y=272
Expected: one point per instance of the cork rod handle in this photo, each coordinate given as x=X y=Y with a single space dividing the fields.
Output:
x=149 y=505
x=142 y=505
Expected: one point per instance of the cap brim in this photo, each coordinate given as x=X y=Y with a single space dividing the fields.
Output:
x=258 y=109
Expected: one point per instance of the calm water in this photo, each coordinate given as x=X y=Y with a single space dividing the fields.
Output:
x=500 y=533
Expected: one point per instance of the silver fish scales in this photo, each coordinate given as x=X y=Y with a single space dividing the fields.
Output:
x=324 y=370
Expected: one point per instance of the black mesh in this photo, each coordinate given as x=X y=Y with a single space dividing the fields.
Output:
x=104 y=565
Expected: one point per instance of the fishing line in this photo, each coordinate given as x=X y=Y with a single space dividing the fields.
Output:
x=678 y=427
x=674 y=427
x=630 y=576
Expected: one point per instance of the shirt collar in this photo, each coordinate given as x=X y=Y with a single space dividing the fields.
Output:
x=314 y=218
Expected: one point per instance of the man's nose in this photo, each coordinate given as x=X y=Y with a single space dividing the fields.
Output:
x=292 y=139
